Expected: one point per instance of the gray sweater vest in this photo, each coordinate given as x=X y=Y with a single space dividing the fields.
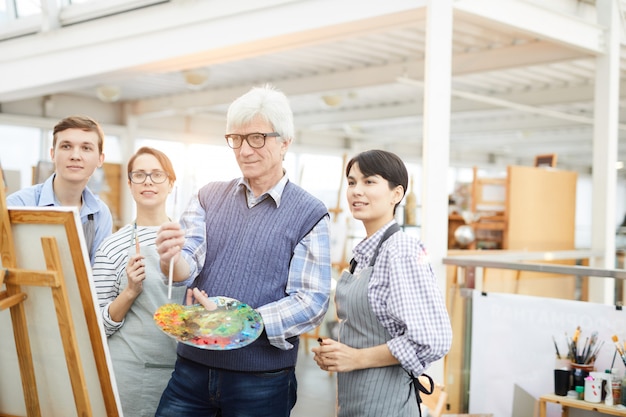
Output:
x=248 y=256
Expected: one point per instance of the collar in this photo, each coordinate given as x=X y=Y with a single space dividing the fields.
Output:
x=364 y=250
x=47 y=197
x=276 y=192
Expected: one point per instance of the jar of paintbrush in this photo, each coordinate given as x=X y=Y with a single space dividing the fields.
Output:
x=582 y=356
x=580 y=371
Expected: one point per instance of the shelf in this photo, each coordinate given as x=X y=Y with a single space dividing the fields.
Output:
x=612 y=410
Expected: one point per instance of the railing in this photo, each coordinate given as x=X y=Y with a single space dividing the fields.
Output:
x=519 y=261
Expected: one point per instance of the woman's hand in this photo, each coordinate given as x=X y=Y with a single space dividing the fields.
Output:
x=336 y=357
x=333 y=356
x=136 y=274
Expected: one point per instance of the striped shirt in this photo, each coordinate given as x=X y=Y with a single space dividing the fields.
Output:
x=405 y=296
x=110 y=267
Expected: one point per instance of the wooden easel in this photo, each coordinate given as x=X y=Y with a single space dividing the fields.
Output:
x=14 y=298
x=336 y=211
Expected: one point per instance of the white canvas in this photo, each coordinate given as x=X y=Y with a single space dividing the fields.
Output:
x=51 y=369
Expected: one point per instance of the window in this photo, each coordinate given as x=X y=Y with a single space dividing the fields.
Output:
x=25 y=8
x=18 y=161
x=25 y=17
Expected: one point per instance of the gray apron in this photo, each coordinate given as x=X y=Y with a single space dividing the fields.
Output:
x=143 y=356
x=89 y=230
x=374 y=392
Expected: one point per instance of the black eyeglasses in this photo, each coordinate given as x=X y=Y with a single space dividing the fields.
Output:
x=255 y=140
x=139 y=177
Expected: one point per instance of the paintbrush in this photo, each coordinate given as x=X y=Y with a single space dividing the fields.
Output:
x=170 y=279
x=592 y=358
x=623 y=354
x=170 y=275
x=617 y=345
x=136 y=240
x=576 y=334
x=619 y=349
x=583 y=355
x=575 y=344
x=570 y=354
x=558 y=355
x=593 y=341
x=613 y=361
x=589 y=347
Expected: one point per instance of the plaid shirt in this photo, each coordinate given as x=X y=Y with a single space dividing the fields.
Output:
x=405 y=296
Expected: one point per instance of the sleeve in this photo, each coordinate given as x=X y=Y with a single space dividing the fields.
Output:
x=308 y=290
x=106 y=277
x=416 y=306
x=194 y=250
x=15 y=200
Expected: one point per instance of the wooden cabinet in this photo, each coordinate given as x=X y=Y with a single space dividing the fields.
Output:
x=454 y=222
x=540 y=216
x=541 y=209
x=106 y=183
x=533 y=209
x=488 y=204
x=486 y=215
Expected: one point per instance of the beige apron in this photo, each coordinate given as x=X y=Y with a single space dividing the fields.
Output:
x=143 y=356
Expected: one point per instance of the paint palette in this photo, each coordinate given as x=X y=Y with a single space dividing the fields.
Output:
x=231 y=325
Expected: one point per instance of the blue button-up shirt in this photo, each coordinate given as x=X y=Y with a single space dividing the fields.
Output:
x=42 y=195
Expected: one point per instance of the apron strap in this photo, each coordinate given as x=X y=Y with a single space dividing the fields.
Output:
x=417 y=385
x=89 y=230
x=390 y=231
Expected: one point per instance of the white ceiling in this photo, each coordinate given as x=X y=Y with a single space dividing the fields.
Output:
x=522 y=84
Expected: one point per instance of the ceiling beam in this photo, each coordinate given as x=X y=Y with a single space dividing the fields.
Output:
x=495 y=59
x=540 y=21
x=464 y=108
x=499 y=102
x=177 y=35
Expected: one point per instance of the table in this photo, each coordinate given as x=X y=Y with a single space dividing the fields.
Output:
x=567 y=403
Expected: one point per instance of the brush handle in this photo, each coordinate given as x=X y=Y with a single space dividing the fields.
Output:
x=170 y=279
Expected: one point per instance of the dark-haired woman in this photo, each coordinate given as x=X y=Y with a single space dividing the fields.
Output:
x=393 y=319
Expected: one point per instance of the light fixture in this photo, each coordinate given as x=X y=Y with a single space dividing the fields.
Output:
x=109 y=93
x=196 y=78
x=332 y=100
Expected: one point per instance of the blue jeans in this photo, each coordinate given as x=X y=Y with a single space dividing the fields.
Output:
x=199 y=391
